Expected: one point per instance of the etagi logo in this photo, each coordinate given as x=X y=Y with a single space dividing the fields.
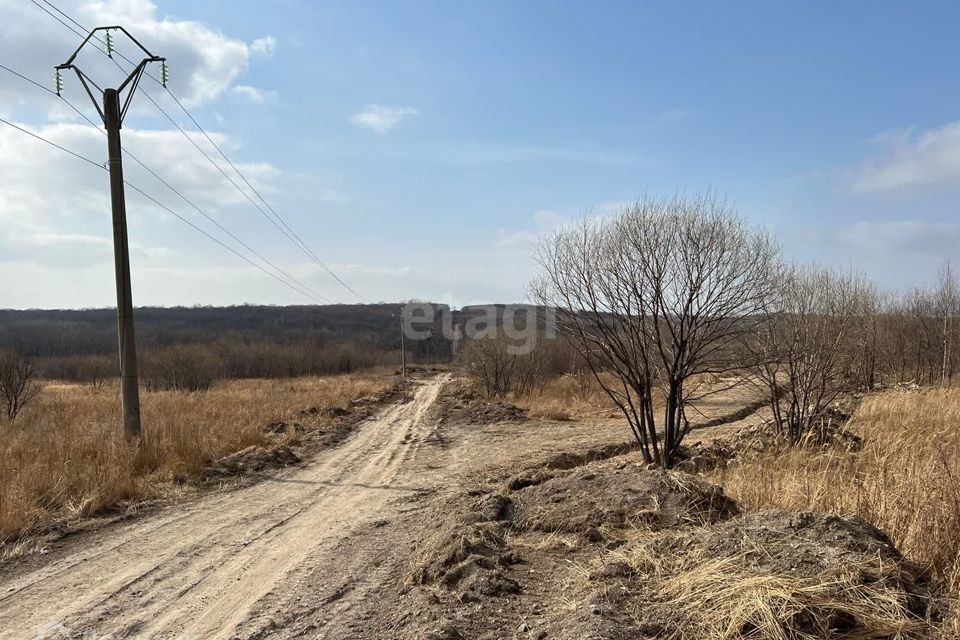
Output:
x=521 y=326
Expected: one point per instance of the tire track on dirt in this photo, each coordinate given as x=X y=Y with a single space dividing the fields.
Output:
x=202 y=574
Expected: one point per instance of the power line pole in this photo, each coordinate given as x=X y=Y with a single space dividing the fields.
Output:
x=113 y=112
x=403 y=346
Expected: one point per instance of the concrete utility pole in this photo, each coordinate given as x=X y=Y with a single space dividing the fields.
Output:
x=112 y=115
x=403 y=346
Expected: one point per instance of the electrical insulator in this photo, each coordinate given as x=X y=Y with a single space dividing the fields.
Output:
x=109 y=45
x=57 y=81
x=164 y=73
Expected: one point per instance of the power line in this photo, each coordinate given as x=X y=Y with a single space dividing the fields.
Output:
x=55 y=17
x=300 y=285
x=262 y=199
x=151 y=199
x=67 y=16
x=23 y=77
x=280 y=223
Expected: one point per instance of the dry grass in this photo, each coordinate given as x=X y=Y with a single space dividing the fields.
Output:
x=710 y=597
x=906 y=480
x=66 y=456
x=568 y=397
x=572 y=397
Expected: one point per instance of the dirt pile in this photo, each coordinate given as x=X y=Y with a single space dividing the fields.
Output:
x=771 y=574
x=594 y=502
x=474 y=562
x=799 y=543
x=755 y=440
x=252 y=460
x=461 y=405
x=653 y=554
x=469 y=557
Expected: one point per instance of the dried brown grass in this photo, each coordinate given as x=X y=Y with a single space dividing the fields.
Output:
x=66 y=456
x=568 y=397
x=720 y=598
x=905 y=480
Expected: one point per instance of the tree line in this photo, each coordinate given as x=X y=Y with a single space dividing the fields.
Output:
x=669 y=291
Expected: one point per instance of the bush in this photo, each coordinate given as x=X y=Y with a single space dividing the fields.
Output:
x=499 y=366
x=18 y=384
x=180 y=368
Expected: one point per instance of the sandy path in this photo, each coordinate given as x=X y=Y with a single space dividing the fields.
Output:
x=313 y=552
x=246 y=564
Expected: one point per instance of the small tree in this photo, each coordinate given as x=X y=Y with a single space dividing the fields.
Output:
x=663 y=291
x=180 y=368
x=500 y=365
x=807 y=351
x=947 y=300
x=18 y=383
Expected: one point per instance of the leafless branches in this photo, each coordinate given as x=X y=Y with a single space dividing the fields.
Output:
x=661 y=292
x=18 y=383
x=499 y=366
x=808 y=345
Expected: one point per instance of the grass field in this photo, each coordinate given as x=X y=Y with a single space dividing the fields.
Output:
x=905 y=480
x=65 y=456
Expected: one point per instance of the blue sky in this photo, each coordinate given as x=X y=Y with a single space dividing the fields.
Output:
x=419 y=148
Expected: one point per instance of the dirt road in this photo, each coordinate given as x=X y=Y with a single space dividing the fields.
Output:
x=247 y=563
x=319 y=551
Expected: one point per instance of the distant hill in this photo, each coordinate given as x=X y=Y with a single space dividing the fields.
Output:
x=93 y=331
x=62 y=333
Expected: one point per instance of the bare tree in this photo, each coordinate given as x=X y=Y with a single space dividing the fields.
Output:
x=809 y=347
x=18 y=383
x=180 y=368
x=661 y=292
x=499 y=366
x=947 y=300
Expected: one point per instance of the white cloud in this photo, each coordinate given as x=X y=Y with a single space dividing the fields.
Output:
x=898 y=237
x=203 y=62
x=49 y=200
x=544 y=221
x=264 y=46
x=895 y=253
x=382 y=118
x=914 y=159
x=254 y=95
x=69 y=250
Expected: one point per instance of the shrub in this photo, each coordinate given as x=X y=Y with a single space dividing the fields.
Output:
x=18 y=384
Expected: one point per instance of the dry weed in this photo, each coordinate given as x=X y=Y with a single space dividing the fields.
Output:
x=679 y=584
x=568 y=397
x=905 y=480
x=66 y=456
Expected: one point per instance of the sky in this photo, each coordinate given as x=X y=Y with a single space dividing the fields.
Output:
x=419 y=149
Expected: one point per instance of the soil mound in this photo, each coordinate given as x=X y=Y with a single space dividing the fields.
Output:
x=772 y=574
x=570 y=460
x=798 y=543
x=254 y=459
x=469 y=557
x=460 y=404
x=591 y=502
x=755 y=440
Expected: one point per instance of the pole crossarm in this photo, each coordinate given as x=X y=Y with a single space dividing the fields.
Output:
x=114 y=108
x=130 y=83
